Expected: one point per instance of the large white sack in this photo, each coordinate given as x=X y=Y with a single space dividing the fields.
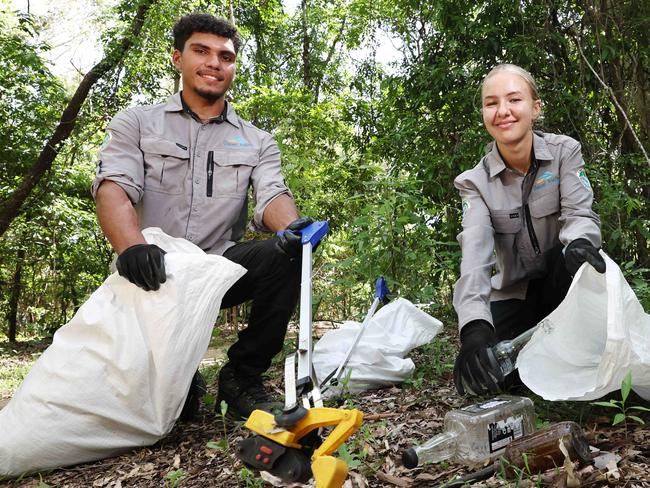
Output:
x=586 y=346
x=116 y=376
x=379 y=359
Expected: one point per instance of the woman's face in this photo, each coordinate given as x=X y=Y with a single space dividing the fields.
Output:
x=508 y=108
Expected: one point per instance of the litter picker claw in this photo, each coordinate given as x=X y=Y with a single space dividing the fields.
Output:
x=287 y=445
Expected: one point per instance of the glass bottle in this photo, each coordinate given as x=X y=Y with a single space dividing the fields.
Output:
x=506 y=352
x=476 y=433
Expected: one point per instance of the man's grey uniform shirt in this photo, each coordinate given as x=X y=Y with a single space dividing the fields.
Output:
x=189 y=178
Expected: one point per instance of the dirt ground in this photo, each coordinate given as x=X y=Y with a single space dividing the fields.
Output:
x=395 y=418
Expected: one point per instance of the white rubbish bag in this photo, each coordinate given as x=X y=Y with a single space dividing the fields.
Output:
x=379 y=359
x=587 y=345
x=116 y=376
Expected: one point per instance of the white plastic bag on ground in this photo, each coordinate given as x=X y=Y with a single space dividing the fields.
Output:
x=586 y=346
x=116 y=376
x=379 y=359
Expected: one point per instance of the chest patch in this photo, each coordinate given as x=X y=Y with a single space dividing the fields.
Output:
x=547 y=179
x=236 y=142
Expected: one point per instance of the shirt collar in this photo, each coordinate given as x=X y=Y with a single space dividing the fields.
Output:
x=494 y=163
x=175 y=103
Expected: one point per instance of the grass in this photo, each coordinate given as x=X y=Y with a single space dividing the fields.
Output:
x=15 y=362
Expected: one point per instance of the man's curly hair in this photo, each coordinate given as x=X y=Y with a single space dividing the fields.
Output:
x=206 y=23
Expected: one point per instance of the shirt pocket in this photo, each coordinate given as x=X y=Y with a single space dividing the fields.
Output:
x=506 y=221
x=232 y=172
x=165 y=166
x=545 y=204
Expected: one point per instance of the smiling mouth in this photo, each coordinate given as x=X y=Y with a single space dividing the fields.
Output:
x=210 y=77
x=505 y=125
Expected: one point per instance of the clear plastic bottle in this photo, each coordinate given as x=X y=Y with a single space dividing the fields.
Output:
x=476 y=433
x=506 y=352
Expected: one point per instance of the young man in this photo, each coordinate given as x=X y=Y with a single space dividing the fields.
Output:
x=185 y=166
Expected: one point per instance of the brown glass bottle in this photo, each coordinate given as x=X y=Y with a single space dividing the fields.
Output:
x=540 y=451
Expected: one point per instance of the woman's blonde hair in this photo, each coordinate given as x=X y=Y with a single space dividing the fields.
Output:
x=516 y=70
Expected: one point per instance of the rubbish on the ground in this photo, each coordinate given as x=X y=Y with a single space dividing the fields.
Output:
x=556 y=445
x=379 y=359
x=505 y=352
x=604 y=458
x=287 y=445
x=543 y=450
x=116 y=376
x=381 y=295
x=586 y=346
x=476 y=433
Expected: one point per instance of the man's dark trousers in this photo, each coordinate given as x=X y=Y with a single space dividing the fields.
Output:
x=272 y=282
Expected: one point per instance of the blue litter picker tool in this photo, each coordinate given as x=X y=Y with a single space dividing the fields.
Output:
x=381 y=296
x=287 y=445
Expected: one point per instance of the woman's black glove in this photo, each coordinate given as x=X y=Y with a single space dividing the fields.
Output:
x=289 y=242
x=476 y=370
x=143 y=265
x=579 y=251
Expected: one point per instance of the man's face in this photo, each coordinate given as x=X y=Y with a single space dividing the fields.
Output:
x=206 y=64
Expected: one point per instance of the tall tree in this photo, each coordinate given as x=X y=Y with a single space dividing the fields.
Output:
x=11 y=206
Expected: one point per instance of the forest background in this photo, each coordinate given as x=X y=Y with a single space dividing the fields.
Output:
x=369 y=145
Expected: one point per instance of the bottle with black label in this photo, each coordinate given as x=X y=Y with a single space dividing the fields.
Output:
x=476 y=433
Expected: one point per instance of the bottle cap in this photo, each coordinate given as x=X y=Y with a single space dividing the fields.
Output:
x=410 y=458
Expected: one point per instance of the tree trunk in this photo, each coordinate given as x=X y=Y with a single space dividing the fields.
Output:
x=306 y=61
x=10 y=208
x=15 y=297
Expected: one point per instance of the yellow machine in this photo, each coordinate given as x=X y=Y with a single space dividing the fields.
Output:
x=287 y=444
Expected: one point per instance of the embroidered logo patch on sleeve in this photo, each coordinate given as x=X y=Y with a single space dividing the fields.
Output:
x=582 y=176
x=466 y=207
x=107 y=139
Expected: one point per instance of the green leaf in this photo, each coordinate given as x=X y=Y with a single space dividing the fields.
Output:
x=609 y=404
x=626 y=385
x=636 y=419
x=224 y=408
x=221 y=445
x=641 y=409
x=618 y=418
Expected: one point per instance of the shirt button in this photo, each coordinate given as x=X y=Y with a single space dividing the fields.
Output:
x=190 y=237
x=194 y=209
x=196 y=180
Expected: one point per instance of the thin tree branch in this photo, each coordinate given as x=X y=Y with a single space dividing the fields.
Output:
x=614 y=99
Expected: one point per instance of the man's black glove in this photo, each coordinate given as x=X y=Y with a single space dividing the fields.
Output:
x=579 y=251
x=289 y=242
x=476 y=369
x=143 y=265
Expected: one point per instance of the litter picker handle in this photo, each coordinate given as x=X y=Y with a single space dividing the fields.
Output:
x=381 y=292
x=381 y=289
x=313 y=233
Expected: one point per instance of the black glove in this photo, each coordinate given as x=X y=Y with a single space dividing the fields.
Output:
x=289 y=242
x=476 y=369
x=143 y=265
x=579 y=251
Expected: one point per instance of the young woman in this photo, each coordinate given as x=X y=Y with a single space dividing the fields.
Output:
x=526 y=214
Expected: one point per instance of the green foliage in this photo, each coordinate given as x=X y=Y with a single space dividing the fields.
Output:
x=373 y=149
x=174 y=477
x=250 y=478
x=624 y=411
x=223 y=444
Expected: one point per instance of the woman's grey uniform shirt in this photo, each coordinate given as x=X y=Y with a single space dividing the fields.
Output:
x=510 y=220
